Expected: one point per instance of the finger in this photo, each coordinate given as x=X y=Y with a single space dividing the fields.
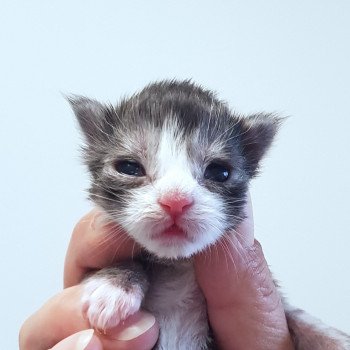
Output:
x=138 y=332
x=94 y=245
x=244 y=306
x=62 y=316
x=84 y=340
x=245 y=230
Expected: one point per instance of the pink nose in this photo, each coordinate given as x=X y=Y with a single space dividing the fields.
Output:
x=174 y=204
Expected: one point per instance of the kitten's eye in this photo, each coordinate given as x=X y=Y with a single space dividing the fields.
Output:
x=217 y=172
x=129 y=167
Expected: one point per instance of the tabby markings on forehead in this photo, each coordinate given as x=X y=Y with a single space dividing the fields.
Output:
x=139 y=145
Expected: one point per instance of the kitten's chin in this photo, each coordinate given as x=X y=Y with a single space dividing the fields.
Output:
x=172 y=250
x=175 y=245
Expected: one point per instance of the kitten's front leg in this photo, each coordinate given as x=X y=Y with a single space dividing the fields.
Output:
x=114 y=293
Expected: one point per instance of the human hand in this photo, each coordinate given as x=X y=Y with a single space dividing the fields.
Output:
x=60 y=324
x=244 y=307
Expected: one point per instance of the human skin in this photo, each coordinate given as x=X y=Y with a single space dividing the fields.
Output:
x=244 y=306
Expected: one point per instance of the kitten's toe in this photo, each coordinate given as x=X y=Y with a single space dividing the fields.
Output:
x=106 y=304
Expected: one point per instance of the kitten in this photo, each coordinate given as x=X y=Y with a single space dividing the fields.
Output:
x=171 y=165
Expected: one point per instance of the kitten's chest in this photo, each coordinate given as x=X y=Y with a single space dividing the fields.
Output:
x=179 y=306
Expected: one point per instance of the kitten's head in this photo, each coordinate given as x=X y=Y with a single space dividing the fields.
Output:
x=172 y=163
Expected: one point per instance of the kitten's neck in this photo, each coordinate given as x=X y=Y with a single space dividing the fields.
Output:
x=151 y=259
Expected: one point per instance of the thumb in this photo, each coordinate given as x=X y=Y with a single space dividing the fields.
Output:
x=59 y=325
x=84 y=340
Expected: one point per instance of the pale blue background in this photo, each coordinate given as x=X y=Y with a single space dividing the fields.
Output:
x=286 y=56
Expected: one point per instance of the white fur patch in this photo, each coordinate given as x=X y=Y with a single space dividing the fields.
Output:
x=106 y=304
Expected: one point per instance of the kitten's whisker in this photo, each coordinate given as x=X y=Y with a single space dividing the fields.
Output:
x=240 y=251
x=132 y=251
x=102 y=197
x=108 y=190
x=222 y=244
x=125 y=238
x=111 y=237
x=228 y=249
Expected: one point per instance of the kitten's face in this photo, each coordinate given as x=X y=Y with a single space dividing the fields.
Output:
x=165 y=189
x=171 y=165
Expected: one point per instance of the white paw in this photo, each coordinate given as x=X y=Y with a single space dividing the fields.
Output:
x=106 y=304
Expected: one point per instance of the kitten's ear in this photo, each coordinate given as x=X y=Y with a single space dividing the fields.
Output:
x=257 y=135
x=90 y=115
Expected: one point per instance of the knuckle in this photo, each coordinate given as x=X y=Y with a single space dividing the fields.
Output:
x=81 y=226
x=26 y=339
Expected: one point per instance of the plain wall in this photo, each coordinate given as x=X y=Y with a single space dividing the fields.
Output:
x=286 y=56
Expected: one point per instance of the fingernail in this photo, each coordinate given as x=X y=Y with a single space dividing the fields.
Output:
x=84 y=340
x=133 y=326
